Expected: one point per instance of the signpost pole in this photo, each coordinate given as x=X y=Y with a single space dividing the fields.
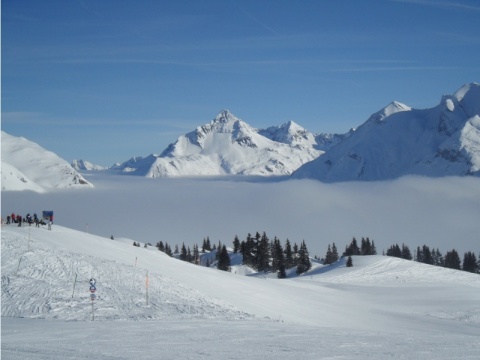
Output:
x=74 y=283
x=92 y=295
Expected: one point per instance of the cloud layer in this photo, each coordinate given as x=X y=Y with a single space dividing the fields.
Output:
x=441 y=213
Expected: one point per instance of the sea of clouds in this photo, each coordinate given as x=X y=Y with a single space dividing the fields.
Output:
x=441 y=213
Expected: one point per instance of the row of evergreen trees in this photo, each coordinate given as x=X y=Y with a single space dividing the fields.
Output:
x=259 y=253
x=264 y=255
x=434 y=257
x=366 y=247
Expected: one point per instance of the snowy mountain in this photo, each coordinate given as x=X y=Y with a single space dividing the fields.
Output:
x=228 y=145
x=404 y=308
x=82 y=165
x=399 y=140
x=28 y=166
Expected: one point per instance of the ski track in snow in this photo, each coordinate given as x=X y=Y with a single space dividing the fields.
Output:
x=44 y=284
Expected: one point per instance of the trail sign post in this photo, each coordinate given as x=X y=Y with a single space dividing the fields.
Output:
x=93 y=288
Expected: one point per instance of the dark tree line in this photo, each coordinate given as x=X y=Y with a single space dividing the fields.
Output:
x=434 y=257
x=264 y=255
x=258 y=252
x=366 y=248
x=164 y=248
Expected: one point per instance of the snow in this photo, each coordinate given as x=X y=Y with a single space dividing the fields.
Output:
x=83 y=165
x=226 y=146
x=28 y=166
x=14 y=180
x=399 y=141
x=450 y=104
x=381 y=307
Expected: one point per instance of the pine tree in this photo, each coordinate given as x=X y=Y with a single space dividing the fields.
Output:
x=365 y=247
x=328 y=256
x=288 y=255
x=349 y=261
x=160 y=246
x=236 y=244
x=419 y=255
x=427 y=255
x=373 y=250
x=183 y=253
x=223 y=259
x=438 y=258
x=394 y=251
x=295 y=252
x=263 y=253
x=282 y=274
x=303 y=260
x=247 y=249
x=470 y=262
x=406 y=252
x=334 y=253
x=352 y=249
x=168 y=249
x=276 y=251
x=452 y=260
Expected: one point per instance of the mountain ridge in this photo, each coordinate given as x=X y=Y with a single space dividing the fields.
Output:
x=28 y=166
x=229 y=146
x=399 y=140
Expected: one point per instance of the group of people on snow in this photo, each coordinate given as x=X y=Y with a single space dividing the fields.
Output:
x=28 y=219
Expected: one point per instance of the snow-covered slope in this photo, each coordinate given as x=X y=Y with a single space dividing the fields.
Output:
x=398 y=140
x=28 y=166
x=39 y=269
x=83 y=165
x=228 y=145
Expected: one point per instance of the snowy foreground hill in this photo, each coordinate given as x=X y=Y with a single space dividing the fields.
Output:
x=380 y=308
x=28 y=166
x=398 y=141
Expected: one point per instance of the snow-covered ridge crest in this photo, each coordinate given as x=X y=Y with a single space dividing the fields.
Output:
x=388 y=110
x=83 y=165
x=398 y=140
x=228 y=145
x=28 y=166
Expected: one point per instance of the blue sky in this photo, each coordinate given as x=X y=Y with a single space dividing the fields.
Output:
x=107 y=80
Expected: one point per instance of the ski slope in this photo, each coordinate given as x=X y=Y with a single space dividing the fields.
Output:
x=381 y=307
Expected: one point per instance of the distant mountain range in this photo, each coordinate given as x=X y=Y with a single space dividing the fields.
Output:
x=399 y=140
x=393 y=142
x=230 y=146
